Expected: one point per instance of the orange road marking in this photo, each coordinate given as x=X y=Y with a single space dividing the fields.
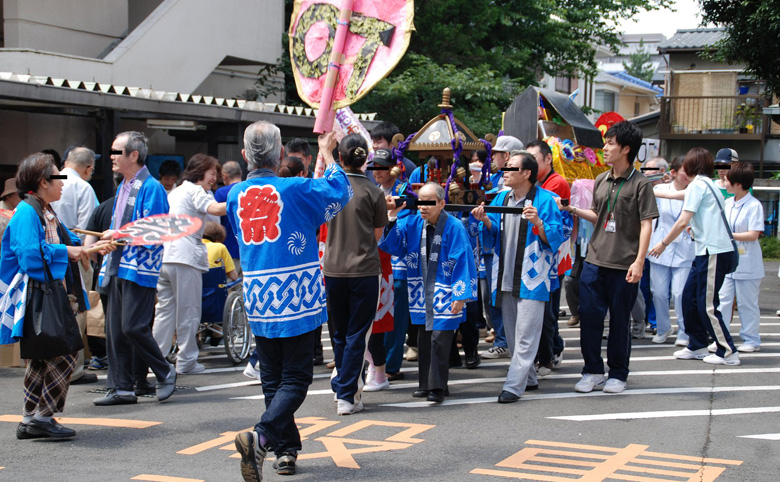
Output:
x=225 y=437
x=163 y=478
x=404 y=436
x=99 y=422
x=317 y=424
x=693 y=459
x=336 y=449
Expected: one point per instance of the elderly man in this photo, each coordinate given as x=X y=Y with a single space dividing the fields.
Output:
x=441 y=277
x=131 y=274
x=276 y=220
x=525 y=248
x=231 y=175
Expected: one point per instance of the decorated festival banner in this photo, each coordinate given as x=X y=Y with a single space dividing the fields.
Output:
x=346 y=123
x=340 y=49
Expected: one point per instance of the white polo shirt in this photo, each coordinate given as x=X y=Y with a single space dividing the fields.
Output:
x=747 y=214
x=709 y=230
x=78 y=201
x=680 y=252
x=192 y=200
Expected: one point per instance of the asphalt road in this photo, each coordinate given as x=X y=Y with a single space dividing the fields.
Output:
x=678 y=420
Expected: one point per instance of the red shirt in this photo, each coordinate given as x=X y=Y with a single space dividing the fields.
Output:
x=558 y=185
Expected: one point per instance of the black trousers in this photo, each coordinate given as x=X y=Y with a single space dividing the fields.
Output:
x=129 y=334
x=434 y=357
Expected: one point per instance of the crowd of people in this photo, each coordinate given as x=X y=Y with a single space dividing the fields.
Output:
x=500 y=267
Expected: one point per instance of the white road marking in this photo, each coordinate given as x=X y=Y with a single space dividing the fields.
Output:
x=766 y=436
x=549 y=396
x=668 y=414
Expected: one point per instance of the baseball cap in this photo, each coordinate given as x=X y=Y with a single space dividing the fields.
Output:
x=508 y=144
x=727 y=155
x=10 y=187
x=383 y=157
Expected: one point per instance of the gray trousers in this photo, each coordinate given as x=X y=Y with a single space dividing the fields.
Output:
x=434 y=357
x=523 y=320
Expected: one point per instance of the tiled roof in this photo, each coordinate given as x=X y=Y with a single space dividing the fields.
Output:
x=623 y=78
x=695 y=38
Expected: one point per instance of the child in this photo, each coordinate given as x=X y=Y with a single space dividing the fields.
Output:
x=213 y=237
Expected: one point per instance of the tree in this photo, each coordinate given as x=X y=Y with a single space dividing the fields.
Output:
x=487 y=52
x=752 y=28
x=639 y=64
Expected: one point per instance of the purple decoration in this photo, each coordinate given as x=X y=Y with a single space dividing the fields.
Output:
x=398 y=155
x=457 y=150
x=501 y=133
x=483 y=179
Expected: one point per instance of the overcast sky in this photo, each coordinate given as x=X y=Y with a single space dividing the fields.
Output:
x=687 y=15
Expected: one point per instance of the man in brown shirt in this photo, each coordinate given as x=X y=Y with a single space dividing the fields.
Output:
x=622 y=211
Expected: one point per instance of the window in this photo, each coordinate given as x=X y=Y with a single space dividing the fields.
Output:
x=605 y=101
x=563 y=84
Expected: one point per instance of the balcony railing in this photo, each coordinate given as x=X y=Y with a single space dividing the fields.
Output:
x=735 y=117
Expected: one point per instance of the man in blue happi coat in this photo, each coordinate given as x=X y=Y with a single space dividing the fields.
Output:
x=441 y=277
x=275 y=220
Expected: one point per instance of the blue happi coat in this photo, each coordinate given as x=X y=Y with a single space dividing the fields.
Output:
x=275 y=220
x=540 y=268
x=140 y=264
x=20 y=260
x=456 y=276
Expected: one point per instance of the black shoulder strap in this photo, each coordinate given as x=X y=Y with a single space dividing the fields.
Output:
x=722 y=210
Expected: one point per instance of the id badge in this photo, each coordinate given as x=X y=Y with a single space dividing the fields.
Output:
x=609 y=226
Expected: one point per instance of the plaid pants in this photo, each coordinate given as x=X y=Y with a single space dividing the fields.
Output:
x=46 y=384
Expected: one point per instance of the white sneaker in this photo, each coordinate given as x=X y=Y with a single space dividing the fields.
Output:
x=346 y=408
x=251 y=372
x=375 y=386
x=614 y=385
x=713 y=347
x=198 y=368
x=682 y=340
x=688 y=354
x=542 y=371
x=558 y=359
x=713 y=359
x=661 y=337
x=411 y=354
x=745 y=348
x=495 y=352
x=370 y=373
x=590 y=382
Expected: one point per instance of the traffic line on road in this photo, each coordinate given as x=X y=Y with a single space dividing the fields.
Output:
x=765 y=436
x=667 y=414
x=98 y=422
x=549 y=396
x=163 y=478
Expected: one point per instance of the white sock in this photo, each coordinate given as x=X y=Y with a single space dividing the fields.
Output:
x=40 y=418
x=125 y=392
x=379 y=374
x=27 y=419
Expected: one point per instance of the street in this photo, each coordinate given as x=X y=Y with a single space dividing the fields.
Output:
x=678 y=420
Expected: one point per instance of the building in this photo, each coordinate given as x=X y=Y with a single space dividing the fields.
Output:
x=182 y=71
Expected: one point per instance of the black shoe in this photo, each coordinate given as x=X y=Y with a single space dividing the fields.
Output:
x=456 y=362
x=85 y=378
x=23 y=434
x=113 y=398
x=436 y=395
x=420 y=393
x=531 y=388
x=50 y=429
x=285 y=463
x=144 y=388
x=318 y=359
x=395 y=376
x=507 y=397
x=472 y=359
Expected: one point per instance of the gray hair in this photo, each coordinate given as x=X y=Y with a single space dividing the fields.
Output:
x=263 y=145
x=136 y=142
x=437 y=189
x=232 y=170
x=81 y=156
x=658 y=163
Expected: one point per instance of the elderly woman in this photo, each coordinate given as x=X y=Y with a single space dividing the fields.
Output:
x=36 y=242
x=184 y=262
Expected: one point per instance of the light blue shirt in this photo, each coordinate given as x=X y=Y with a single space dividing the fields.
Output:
x=709 y=230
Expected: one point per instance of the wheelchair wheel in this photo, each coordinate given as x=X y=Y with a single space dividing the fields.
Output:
x=235 y=329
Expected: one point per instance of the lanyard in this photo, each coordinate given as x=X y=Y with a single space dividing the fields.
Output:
x=736 y=217
x=609 y=203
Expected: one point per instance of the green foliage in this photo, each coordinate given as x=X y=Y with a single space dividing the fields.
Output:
x=770 y=247
x=753 y=27
x=639 y=65
x=487 y=51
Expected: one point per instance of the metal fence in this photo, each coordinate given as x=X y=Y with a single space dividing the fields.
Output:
x=741 y=114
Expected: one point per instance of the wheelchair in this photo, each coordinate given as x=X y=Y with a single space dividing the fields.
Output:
x=223 y=317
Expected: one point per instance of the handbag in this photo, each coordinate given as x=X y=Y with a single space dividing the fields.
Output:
x=734 y=259
x=50 y=328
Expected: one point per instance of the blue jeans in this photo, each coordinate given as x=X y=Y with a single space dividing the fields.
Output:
x=644 y=287
x=286 y=371
x=394 y=340
x=603 y=289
